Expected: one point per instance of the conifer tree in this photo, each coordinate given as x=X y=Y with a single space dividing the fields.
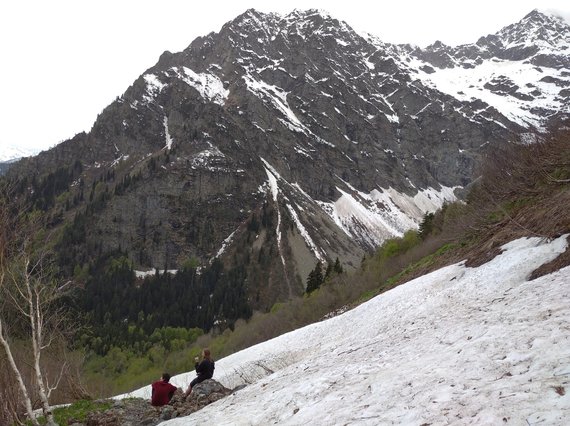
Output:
x=337 y=267
x=315 y=278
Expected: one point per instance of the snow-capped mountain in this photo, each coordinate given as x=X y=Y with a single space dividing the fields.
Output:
x=457 y=346
x=295 y=139
x=523 y=71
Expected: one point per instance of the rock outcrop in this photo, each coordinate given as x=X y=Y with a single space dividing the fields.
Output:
x=138 y=411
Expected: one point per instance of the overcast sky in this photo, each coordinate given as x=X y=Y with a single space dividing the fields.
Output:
x=63 y=61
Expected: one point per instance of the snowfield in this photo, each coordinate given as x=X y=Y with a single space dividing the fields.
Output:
x=458 y=346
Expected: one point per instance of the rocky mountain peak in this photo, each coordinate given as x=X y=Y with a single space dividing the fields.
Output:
x=291 y=138
x=300 y=24
x=537 y=29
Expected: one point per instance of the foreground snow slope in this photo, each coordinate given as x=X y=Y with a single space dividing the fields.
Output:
x=460 y=345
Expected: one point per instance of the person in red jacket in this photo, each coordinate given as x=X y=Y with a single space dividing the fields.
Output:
x=162 y=391
x=204 y=370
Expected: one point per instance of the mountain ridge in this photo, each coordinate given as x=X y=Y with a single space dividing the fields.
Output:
x=342 y=141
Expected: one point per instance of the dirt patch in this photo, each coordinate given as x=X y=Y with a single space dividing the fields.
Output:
x=560 y=262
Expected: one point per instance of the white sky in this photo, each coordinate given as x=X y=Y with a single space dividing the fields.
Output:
x=63 y=61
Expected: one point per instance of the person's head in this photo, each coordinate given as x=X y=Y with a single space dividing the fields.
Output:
x=165 y=377
x=206 y=354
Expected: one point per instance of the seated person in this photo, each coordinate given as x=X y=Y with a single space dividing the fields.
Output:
x=162 y=391
x=204 y=370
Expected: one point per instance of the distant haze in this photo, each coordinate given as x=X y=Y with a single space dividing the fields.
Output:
x=64 y=61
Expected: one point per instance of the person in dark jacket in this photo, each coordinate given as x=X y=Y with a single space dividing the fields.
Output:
x=162 y=391
x=204 y=369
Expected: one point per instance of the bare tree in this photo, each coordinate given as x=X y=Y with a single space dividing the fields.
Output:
x=31 y=307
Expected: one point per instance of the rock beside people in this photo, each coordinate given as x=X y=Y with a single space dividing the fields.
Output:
x=138 y=411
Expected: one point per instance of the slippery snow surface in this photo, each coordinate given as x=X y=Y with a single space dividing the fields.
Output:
x=458 y=346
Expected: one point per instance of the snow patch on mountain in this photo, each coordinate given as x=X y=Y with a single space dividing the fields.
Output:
x=208 y=85
x=167 y=136
x=521 y=90
x=385 y=213
x=457 y=346
x=207 y=158
x=305 y=234
x=151 y=272
x=278 y=98
x=272 y=177
x=153 y=87
x=362 y=220
x=119 y=160
x=225 y=244
x=424 y=201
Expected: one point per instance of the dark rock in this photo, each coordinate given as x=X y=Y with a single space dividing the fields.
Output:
x=208 y=387
x=137 y=411
x=238 y=388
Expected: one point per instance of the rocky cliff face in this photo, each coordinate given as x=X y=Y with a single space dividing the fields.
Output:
x=294 y=139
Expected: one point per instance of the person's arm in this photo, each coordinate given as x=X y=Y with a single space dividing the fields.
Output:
x=201 y=368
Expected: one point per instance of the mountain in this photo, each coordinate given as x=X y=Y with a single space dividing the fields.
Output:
x=286 y=140
x=11 y=154
x=522 y=71
x=457 y=346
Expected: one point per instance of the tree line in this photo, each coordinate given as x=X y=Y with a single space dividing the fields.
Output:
x=114 y=300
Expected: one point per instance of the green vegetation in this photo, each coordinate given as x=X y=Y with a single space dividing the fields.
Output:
x=77 y=411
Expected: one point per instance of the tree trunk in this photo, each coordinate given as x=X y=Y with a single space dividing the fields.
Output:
x=21 y=385
x=36 y=323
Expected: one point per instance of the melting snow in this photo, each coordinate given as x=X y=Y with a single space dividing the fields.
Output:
x=168 y=145
x=305 y=234
x=118 y=160
x=150 y=272
x=209 y=86
x=457 y=346
x=278 y=97
x=225 y=244
x=272 y=177
x=468 y=84
x=203 y=158
x=153 y=87
x=384 y=213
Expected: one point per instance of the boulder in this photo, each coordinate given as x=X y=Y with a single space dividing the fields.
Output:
x=138 y=411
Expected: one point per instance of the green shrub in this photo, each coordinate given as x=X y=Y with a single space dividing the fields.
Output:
x=77 y=411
